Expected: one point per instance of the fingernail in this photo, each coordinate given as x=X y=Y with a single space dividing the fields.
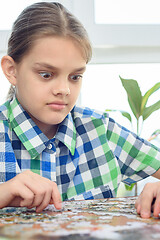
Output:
x=59 y=205
x=145 y=214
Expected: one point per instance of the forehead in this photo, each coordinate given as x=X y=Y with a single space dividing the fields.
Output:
x=57 y=50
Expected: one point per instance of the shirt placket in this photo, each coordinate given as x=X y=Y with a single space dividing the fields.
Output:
x=51 y=155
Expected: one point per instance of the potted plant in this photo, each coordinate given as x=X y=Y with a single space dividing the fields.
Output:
x=138 y=106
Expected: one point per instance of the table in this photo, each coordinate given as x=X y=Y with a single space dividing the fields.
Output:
x=114 y=218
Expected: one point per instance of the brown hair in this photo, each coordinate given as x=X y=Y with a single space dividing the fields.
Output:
x=45 y=19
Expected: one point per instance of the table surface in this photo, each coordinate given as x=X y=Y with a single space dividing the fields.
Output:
x=114 y=218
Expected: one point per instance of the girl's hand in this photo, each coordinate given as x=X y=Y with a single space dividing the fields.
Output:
x=149 y=200
x=29 y=190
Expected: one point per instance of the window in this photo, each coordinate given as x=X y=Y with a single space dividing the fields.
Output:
x=13 y=9
x=8 y=16
x=102 y=89
x=120 y=43
x=112 y=43
x=127 y=12
x=9 y=10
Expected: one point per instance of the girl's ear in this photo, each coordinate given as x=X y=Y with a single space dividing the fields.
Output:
x=9 y=69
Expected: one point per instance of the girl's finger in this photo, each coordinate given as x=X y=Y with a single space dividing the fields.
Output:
x=156 y=208
x=26 y=196
x=45 y=202
x=56 y=197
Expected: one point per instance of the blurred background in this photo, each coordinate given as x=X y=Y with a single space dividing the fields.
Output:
x=125 y=36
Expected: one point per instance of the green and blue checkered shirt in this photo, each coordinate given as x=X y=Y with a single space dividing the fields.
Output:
x=88 y=157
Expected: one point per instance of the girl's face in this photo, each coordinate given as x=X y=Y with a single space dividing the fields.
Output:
x=48 y=81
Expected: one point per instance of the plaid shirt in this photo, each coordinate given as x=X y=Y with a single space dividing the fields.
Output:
x=88 y=157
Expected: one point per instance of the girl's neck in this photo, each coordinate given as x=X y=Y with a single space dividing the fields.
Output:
x=51 y=133
x=48 y=130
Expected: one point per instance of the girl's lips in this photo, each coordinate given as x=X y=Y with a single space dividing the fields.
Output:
x=57 y=106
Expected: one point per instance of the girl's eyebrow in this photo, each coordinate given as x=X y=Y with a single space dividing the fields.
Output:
x=82 y=69
x=48 y=66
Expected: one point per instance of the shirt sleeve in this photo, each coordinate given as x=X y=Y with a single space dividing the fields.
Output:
x=136 y=157
x=8 y=164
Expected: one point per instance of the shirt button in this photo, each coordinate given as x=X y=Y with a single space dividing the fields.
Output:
x=49 y=146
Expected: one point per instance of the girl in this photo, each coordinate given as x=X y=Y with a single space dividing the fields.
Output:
x=51 y=150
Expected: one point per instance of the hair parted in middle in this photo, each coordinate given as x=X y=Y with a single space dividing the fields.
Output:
x=46 y=19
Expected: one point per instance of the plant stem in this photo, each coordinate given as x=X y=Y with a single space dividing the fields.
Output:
x=138 y=126
x=136 y=186
x=136 y=189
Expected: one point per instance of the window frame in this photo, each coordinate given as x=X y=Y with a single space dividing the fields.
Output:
x=111 y=43
x=118 y=43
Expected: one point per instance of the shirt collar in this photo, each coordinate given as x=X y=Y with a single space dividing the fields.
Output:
x=32 y=137
x=67 y=133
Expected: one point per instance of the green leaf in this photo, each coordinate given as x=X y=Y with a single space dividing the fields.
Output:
x=134 y=95
x=129 y=188
x=124 y=114
x=149 y=110
x=111 y=110
x=127 y=115
x=148 y=94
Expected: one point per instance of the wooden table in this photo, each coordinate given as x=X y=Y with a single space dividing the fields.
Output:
x=88 y=220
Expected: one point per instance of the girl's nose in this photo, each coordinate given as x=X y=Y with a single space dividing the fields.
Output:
x=61 y=88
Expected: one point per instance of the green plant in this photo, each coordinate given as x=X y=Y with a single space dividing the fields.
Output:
x=138 y=104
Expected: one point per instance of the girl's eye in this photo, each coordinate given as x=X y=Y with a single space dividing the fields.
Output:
x=76 y=77
x=45 y=75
